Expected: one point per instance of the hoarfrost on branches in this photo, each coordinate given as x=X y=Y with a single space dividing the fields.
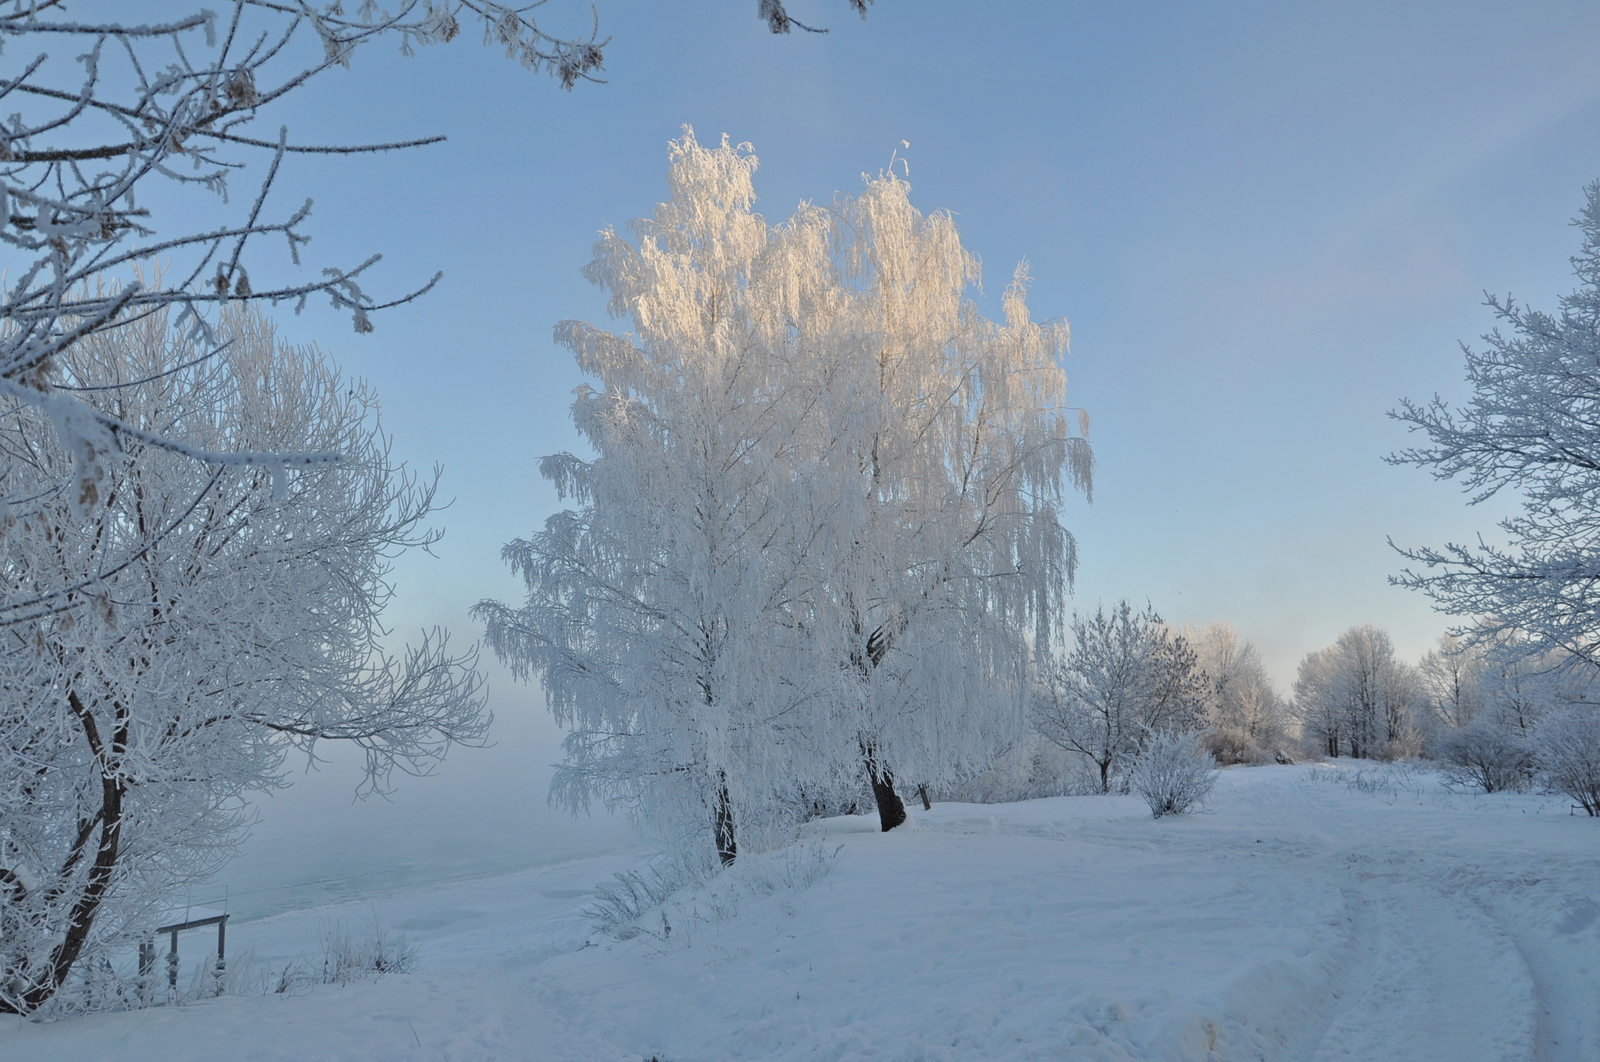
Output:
x=244 y=626
x=1566 y=745
x=1355 y=698
x=1529 y=427
x=1124 y=676
x=1173 y=773
x=103 y=112
x=1485 y=755
x=1245 y=717
x=821 y=529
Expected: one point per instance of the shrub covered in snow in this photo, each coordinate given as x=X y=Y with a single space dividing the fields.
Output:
x=1566 y=746
x=1486 y=756
x=1173 y=773
x=348 y=956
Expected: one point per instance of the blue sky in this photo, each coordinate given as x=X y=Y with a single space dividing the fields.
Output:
x=1266 y=222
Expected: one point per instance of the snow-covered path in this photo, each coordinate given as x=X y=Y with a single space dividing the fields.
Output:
x=1299 y=919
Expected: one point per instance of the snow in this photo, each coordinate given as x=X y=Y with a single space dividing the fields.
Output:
x=1309 y=914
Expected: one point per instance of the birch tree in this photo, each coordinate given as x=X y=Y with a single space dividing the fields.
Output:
x=660 y=618
x=239 y=622
x=821 y=523
x=941 y=451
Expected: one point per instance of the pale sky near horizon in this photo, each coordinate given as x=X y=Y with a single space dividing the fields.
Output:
x=1266 y=222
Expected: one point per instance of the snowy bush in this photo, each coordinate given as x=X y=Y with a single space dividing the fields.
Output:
x=1173 y=773
x=1486 y=756
x=1566 y=746
x=347 y=956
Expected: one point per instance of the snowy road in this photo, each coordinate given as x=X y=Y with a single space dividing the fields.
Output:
x=1300 y=919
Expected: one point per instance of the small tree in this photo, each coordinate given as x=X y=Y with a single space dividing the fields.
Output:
x=244 y=625
x=1174 y=772
x=1126 y=675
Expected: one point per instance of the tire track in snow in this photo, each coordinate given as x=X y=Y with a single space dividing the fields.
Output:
x=1430 y=979
x=1545 y=916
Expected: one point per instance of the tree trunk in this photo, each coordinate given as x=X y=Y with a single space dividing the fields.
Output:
x=88 y=905
x=722 y=823
x=891 y=809
x=113 y=789
x=922 y=791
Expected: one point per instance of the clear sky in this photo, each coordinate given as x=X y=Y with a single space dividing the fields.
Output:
x=1266 y=222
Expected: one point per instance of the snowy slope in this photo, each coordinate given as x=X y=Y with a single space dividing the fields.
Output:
x=1298 y=919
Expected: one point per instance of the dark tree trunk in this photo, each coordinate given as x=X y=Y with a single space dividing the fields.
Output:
x=88 y=905
x=891 y=809
x=722 y=824
x=112 y=792
x=922 y=791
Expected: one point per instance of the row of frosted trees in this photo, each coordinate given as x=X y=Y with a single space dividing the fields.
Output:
x=1357 y=698
x=1497 y=712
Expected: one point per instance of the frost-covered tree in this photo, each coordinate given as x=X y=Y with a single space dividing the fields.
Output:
x=1124 y=676
x=1452 y=678
x=234 y=617
x=1356 y=697
x=1244 y=715
x=821 y=522
x=102 y=113
x=663 y=615
x=1510 y=688
x=1485 y=755
x=1566 y=746
x=1528 y=428
x=938 y=455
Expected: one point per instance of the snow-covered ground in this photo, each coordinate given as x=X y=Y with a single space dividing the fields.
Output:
x=1298 y=918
